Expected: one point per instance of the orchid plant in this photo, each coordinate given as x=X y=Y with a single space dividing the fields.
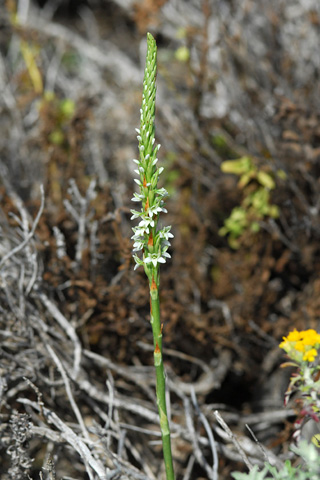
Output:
x=152 y=241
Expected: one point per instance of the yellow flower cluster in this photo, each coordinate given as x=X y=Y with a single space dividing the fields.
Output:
x=302 y=345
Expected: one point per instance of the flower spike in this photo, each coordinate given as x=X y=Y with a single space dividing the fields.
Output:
x=150 y=195
x=151 y=241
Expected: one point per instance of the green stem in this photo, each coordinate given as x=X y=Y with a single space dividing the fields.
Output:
x=160 y=379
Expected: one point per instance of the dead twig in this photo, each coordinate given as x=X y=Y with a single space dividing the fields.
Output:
x=233 y=439
x=63 y=322
x=28 y=236
x=208 y=429
x=73 y=439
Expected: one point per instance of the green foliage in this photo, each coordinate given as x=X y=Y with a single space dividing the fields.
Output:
x=59 y=113
x=182 y=54
x=71 y=61
x=56 y=137
x=256 y=185
x=309 y=471
x=254 y=474
x=29 y=54
x=316 y=440
x=223 y=147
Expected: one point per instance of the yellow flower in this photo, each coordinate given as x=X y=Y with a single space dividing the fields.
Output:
x=284 y=344
x=299 y=346
x=297 y=339
x=293 y=336
x=310 y=337
x=310 y=355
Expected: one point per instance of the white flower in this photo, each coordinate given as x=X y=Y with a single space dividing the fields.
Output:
x=136 y=214
x=138 y=261
x=146 y=222
x=165 y=233
x=137 y=198
x=138 y=245
x=155 y=210
x=140 y=232
x=165 y=253
x=162 y=192
x=154 y=258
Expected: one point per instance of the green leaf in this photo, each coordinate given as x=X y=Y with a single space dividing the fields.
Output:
x=67 y=108
x=255 y=227
x=260 y=201
x=254 y=474
x=266 y=180
x=274 y=211
x=281 y=174
x=182 y=54
x=246 y=178
x=56 y=137
x=316 y=440
x=238 y=167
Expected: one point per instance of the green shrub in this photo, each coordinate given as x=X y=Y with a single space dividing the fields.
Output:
x=256 y=185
